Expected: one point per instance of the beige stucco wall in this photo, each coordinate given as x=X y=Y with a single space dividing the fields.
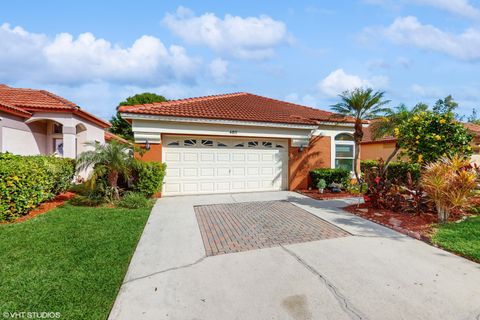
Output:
x=17 y=137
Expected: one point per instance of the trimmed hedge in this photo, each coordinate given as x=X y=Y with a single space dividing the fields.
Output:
x=27 y=181
x=396 y=171
x=330 y=175
x=148 y=177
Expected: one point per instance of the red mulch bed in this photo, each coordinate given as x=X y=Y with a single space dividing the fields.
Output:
x=419 y=226
x=46 y=206
x=326 y=195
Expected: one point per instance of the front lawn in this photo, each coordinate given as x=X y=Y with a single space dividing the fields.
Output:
x=70 y=260
x=462 y=238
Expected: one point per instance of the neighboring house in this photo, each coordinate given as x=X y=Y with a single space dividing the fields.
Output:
x=38 y=122
x=371 y=149
x=239 y=142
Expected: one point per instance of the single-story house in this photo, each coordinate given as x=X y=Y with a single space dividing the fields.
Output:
x=239 y=142
x=36 y=122
x=373 y=149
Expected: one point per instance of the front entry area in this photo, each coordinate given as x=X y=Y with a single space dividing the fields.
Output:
x=205 y=165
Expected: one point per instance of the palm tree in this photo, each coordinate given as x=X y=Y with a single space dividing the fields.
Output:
x=385 y=126
x=111 y=159
x=361 y=104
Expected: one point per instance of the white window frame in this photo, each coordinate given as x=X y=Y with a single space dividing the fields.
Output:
x=343 y=142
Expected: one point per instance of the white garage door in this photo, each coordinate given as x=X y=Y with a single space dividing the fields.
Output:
x=197 y=165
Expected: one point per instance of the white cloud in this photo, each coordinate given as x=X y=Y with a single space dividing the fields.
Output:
x=459 y=7
x=409 y=31
x=306 y=100
x=246 y=38
x=218 y=70
x=68 y=60
x=427 y=91
x=339 y=81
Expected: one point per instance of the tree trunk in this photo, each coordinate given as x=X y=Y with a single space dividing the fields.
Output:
x=357 y=136
x=390 y=158
x=113 y=182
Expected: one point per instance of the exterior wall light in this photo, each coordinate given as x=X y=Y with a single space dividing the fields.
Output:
x=147 y=145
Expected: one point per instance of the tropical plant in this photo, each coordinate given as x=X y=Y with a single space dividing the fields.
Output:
x=108 y=161
x=449 y=182
x=133 y=200
x=388 y=125
x=429 y=135
x=321 y=184
x=122 y=127
x=361 y=104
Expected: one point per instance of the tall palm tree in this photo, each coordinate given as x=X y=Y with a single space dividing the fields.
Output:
x=361 y=104
x=385 y=126
x=111 y=159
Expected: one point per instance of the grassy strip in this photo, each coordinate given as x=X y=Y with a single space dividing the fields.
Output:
x=462 y=238
x=70 y=260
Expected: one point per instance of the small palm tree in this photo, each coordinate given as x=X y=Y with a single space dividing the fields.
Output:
x=110 y=159
x=385 y=126
x=361 y=104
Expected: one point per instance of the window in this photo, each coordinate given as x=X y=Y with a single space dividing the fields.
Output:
x=252 y=144
x=279 y=146
x=267 y=144
x=344 y=151
x=174 y=143
x=207 y=143
x=239 y=145
x=221 y=144
x=344 y=137
x=189 y=142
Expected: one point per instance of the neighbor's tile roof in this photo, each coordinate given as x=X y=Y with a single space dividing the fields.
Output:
x=238 y=106
x=22 y=102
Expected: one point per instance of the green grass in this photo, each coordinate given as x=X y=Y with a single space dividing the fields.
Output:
x=462 y=238
x=70 y=260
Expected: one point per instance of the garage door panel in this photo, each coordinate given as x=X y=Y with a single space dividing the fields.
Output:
x=223 y=157
x=190 y=172
x=204 y=156
x=232 y=166
x=207 y=172
x=238 y=171
x=172 y=156
x=223 y=172
x=238 y=157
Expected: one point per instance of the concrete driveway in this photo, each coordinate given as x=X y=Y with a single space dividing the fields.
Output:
x=352 y=269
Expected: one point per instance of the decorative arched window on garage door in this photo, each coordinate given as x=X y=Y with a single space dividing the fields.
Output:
x=344 y=151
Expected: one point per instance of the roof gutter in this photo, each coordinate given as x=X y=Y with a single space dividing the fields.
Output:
x=135 y=116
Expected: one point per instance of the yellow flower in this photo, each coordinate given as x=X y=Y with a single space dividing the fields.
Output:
x=443 y=121
x=417 y=137
x=420 y=158
x=437 y=137
x=396 y=131
x=469 y=148
x=416 y=118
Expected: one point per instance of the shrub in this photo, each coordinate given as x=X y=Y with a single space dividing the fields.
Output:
x=148 y=177
x=133 y=200
x=396 y=171
x=85 y=201
x=330 y=176
x=449 y=183
x=27 y=181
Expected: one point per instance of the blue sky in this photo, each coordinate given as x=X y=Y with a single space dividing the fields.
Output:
x=96 y=53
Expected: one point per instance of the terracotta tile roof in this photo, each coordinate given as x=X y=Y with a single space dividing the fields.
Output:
x=238 y=106
x=368 y=138
x=110 y=136
x=22 y=102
